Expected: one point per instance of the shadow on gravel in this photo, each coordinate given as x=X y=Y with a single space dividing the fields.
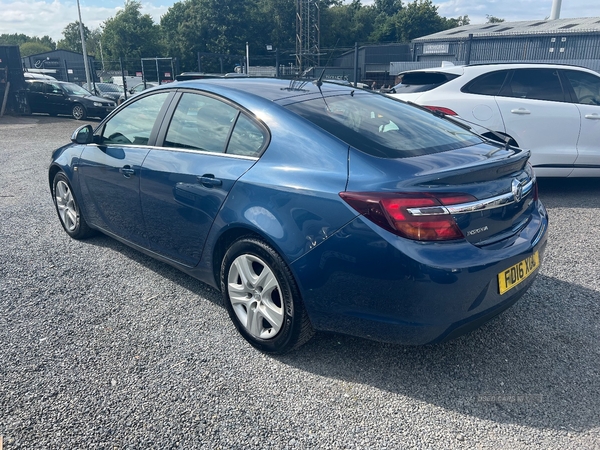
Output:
x=163 y=269
x=530 y=366
x=536 y=365
x=570 y=193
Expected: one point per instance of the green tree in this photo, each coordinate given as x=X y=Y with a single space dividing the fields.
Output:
x=219 y=27
x=458 y=22
x=72 y=37
x=33 y=48
x=131 y=34
x=421 y=18
x=493 y=19
x=20 y=39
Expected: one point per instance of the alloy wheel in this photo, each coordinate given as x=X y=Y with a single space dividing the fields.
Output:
x=255 y=296
x=65 y=203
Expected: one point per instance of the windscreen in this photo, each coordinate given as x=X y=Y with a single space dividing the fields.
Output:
x=383 y=127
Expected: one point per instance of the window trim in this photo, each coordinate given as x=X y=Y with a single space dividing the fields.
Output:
x=508 y=81
x=169 y=114
x=468 y=85
x=152 y=139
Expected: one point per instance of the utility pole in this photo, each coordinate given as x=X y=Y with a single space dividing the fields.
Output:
x=86 y=63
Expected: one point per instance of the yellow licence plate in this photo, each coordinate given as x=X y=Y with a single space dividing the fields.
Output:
x=517 y=273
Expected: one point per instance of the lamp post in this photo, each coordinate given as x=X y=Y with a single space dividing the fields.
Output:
x=86 y=63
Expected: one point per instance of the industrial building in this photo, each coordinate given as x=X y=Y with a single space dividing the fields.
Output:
x=63 y=65
x=561 y=41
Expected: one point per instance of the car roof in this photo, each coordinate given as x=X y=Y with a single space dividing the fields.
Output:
x=484 y=67
x=273 y=89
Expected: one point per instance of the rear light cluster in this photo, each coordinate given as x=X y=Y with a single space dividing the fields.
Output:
x=402 y=214
x=441 y=109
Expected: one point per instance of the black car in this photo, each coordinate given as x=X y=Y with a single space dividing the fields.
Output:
x=59 y=97
x=108 y=90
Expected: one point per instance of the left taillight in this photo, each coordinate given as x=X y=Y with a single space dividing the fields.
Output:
x=441 y=109
x=417 y=216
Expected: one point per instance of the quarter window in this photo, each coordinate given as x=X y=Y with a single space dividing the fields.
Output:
x=536 y=84
x=586 y=87
x=247 y=138
x=134 y=123
x=488 y=84
x=200 y=123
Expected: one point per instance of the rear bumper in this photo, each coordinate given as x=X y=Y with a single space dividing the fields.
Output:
x=370 y=283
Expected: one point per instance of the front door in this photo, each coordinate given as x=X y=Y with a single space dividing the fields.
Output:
x=109 y=170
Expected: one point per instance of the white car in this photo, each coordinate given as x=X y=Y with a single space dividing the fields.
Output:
x=552 y=110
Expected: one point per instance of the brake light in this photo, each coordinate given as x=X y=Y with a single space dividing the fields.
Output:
x=417 y=216
x=441 y=109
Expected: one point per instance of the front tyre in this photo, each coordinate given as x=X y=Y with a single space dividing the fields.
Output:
x=262 y=298
x=78 y=112
x=68 y=210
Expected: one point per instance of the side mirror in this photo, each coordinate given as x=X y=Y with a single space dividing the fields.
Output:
x=83 y=135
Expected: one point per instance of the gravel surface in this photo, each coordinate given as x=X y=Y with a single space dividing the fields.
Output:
x=105 y=348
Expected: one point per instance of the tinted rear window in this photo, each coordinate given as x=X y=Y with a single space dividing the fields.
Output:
x=422 y=81
x=383 y=127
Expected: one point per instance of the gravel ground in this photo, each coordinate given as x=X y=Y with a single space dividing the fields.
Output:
x=105 y=348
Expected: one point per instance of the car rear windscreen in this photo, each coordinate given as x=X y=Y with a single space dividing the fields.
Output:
x=383 y=127
x=422 y=81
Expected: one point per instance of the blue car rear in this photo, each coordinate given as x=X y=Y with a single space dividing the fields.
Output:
x=359 y=213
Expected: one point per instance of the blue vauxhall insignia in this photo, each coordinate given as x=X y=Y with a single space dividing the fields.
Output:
x=311 y=206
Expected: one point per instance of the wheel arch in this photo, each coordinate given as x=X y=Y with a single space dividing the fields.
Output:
x=227 y=238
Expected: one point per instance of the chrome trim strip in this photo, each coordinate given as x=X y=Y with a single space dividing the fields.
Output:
x=480 y=205
x=181 y=150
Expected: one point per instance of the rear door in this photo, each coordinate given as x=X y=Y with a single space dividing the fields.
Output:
x=205 y=148
x=36 y=96
x=110 y=170
x=536 y=112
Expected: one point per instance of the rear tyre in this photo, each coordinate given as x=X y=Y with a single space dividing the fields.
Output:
x=78 y=112
x=262 y=298
x=68 y=210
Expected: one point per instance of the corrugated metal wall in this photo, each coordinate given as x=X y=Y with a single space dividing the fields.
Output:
x=581 y=49
x=397 y=67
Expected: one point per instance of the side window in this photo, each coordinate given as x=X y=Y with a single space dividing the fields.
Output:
x=134 y=123
x=536 y=84
x=247 y=138
x=487 y=84
x=586 y=87
x=200 y=123
x=36 y=87
x=53 y=88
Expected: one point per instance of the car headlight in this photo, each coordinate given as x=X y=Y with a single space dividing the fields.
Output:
x=97 y=104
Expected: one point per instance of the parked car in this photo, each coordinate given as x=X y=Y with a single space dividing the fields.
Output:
x=108 y=90
x=311 y=206
x=552 y=110
x=135 y=90
x=59 y=97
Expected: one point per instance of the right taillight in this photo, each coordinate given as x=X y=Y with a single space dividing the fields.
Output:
x=417 y=216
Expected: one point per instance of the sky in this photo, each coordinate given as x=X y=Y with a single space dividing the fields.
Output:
x=50 y=17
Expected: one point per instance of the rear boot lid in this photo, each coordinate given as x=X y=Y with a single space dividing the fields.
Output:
x=482 y=193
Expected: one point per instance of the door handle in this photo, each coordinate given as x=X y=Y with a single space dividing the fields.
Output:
x=127 y=171
x=209 y=180
x=593 y=116
x=520 y=111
